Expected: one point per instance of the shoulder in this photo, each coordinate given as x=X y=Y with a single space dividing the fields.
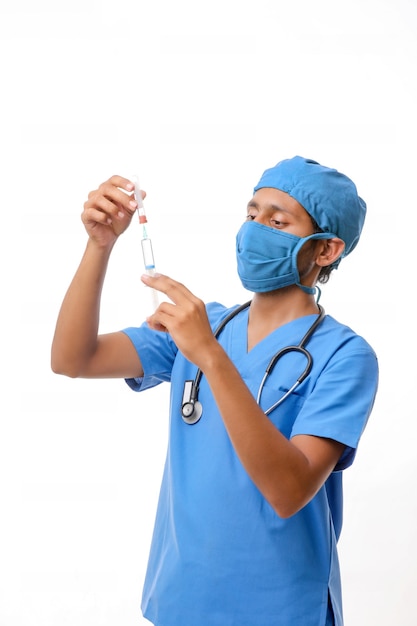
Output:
x=343 y=338
x=218 y=312
x=342 y=357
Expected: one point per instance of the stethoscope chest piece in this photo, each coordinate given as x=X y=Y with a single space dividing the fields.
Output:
x=191 y=413
x=191 y=408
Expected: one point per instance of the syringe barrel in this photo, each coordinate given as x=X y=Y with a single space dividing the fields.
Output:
x=148 y=254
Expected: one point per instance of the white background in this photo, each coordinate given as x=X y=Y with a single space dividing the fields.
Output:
x=197 y=98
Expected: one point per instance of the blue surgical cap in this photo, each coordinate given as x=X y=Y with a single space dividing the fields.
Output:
x=327 y=195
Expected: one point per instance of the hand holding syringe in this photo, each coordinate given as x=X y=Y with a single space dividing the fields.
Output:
x=146 y=242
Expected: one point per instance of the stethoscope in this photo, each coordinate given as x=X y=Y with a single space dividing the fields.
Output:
x=191 y=409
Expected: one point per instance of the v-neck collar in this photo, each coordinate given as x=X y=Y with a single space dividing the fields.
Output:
x=289 y=333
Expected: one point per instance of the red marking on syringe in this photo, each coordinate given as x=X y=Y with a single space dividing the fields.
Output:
x=142 y=216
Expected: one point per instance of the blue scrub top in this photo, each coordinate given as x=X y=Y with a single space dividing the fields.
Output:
x=220 y=554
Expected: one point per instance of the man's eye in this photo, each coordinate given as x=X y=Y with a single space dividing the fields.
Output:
x=250 y=217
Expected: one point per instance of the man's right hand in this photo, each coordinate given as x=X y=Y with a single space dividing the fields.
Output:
x=109 y=210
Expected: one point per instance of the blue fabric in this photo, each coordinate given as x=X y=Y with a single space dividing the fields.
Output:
x=220 y=555
x=267 y=257
x=330 y=197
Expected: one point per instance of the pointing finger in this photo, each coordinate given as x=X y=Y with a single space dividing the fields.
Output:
x=176 y=292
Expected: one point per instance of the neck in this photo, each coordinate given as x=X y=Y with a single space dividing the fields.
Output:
x=283 y=305
x=270 y=310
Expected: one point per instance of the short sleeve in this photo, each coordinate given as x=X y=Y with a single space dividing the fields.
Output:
x=157 y=353
x=157 y=350
x=342 y=400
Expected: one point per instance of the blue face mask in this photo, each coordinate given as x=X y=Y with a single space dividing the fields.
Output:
x=267 y=258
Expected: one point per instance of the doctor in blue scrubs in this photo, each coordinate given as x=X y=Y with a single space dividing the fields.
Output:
x=266 y=412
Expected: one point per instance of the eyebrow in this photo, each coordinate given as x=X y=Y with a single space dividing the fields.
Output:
x=272 y=206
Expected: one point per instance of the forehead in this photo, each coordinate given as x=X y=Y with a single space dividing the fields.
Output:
x=275 y=199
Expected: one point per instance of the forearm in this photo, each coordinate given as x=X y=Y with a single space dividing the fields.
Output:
x=76 y=330
x=280 y=470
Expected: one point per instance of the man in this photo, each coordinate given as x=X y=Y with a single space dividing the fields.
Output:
x=250 y=508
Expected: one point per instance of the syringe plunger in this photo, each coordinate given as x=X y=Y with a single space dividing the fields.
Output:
x=138 y=197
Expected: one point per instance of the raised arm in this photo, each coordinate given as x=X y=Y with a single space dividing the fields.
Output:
x=77 y=348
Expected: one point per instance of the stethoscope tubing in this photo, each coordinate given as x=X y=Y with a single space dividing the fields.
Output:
x=191 y=409
x=217 y=332
x=299 y=348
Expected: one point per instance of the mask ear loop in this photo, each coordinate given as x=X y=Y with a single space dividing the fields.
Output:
x=310 y=290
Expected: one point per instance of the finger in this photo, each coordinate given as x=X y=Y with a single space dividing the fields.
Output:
x=177 y=292
x=94 y=216
x=119 y=197
x=123 y=183
x=112 y=201
x=168 y=317
x=106 y=206
x=156 y=325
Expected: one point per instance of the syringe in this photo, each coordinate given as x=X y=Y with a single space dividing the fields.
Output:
x=147 y=251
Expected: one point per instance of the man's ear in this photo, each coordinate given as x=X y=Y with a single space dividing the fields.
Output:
x=329 y=251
